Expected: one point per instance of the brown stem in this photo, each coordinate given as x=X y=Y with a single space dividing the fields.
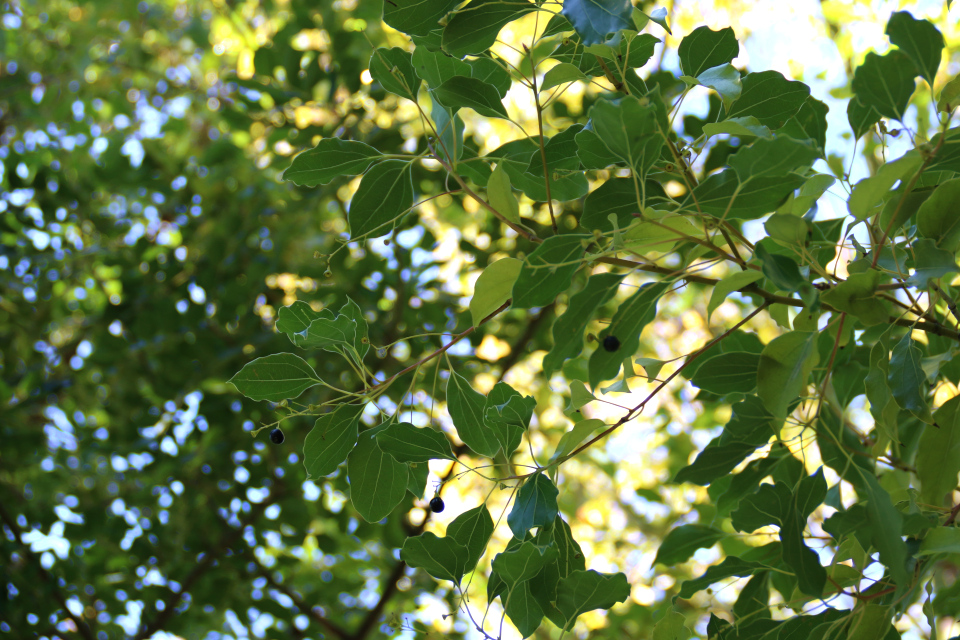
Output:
x=543 y=150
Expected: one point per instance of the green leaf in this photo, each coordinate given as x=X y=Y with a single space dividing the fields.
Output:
x=385 y=193
x=474 y=28
x=407 y=443
x=277 y=377
x=789 y=229
x=772 y=157
x=572 y=439
x=378 y=483
x=331 y=158
x=941 y=540
x=857 y=296
x=785 y=365
x=544 y=585
x=782 y=270
x=500 y=195
x=714 y=462
x=336 y=335
x=938 y=457
x=466 y=410
x=393 y=69
x=628 y=322
x=681 y=543
x=729 y=284
x=492 y=72
x=672 y=626
x=765 y=507
x=883 y=407
x=885 y=83
x=460 y=91
x=442 y=558
x=937 y=217
x=297 y=317
x=906 y=378
x=534 y=506
x=734 y=372
x=869 y=192
x=523 y=609
x=704 y=49
x=770 y=98
x=333 y=436
x=753 y=603
x=416 y=17
x=472 y=529
x=569 y=328
x=885 y=523
x=722 y=195
x=731 y=566
x=629 y=130
x=949 y=96
x=561 y=74
x=931 y=263
x=584 y=591
x=920 y=40
x=417 y=479
x=598 y=21
x=547 y=271
x=493 y=288
x=616 y=196
x=523 y=562
x=741 y=127
x=352 y=311
x=861 y=117
x=810 y=123
x=725 y=80
x=593 y=151
x=437 y=67
x=508 y=414
x=561 y=153
x=659 y=16
x=450 y=128
x=815 y=186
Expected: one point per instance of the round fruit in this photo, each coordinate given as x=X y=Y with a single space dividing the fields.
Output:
x=436 y=505
x=276 y=436
x=611 y=343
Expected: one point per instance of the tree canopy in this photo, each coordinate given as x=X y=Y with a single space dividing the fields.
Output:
x=486 y=319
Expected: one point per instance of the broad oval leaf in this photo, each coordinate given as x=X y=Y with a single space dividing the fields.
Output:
x=729 y=284
x=547 y=271
x=297 y=317
x=385 y=193
x=416 y=17
x=772 y=157
x=682 y=542
x=460 y=91
x=534 y=506
x=277 y=377
x=393 y=69
x=920 y=40
x=734 y=372
x=769 y=97
x=407 y=443
x=598 y=21
x=474 y=28
x=704 y=49
x=785 y=365
x=907 y=380
x=472 y=529
x=466 y=408
x=523 y=562
x=937 y=217
x=331 y=158
x=436 y=67
x=493 y=288
x=333 y=437
x=584 y=591
x=885 y=83
x=442 y=558
x=378 y=483
x=569 y=328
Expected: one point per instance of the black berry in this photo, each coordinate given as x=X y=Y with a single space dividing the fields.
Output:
x=276 y=436
x=436 y=505
x=611 y=343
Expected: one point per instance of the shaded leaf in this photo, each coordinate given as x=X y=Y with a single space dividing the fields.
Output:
x=681 y=543
x=569 y=328
x=331 y=158
x=474 y=28
x=584 y=591
x=920 y=40
x=466 y=408
x=785 y=365
x=704 y=49
x=598 y=21
x=725 y=80
x=378 y=483
x=731 y=566
x=938 y=457
x=460 y=91
x=493 y=288
x=906 y=378
x=547 y=271
x=931 y=263
x=472 y=529
x=722 y=195
x=937 y=217
x=407 y=443
x=729 y=284
x=861 y=117
x=534 y=506
x=276 y=377
x=772 y=157
x=857 y=296
x=436 y=67
x=416 y=17
x=393 y=69
x=734 y=372
x=868 y=193
x=333 y=436
x=385 y=193
x=770 y=98
x=442 y=558
x=885 y=83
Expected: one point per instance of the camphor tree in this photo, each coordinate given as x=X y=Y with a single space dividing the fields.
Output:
x=840 y=519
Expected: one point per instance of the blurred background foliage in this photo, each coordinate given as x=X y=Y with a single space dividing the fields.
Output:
x=146 y=243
